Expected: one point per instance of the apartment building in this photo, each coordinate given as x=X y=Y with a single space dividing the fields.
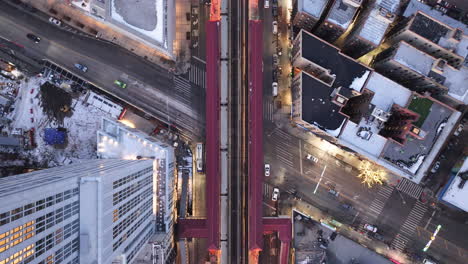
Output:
x=362 y=111
x=338 y=20
x=306 y=13
x=370 y=27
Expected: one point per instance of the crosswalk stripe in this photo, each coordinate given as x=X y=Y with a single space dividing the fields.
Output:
x=410 y=188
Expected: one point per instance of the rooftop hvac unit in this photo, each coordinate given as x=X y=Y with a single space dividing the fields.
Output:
x=380 y=114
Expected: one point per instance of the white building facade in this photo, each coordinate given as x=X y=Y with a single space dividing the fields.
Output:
x=115 y=140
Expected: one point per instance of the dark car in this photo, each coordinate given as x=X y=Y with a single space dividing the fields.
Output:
x=346 y=206
x=33 y=37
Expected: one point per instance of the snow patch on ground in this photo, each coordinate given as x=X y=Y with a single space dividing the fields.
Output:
x=156 y=34
x=81 y=127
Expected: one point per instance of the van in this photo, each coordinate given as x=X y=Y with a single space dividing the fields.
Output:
x=426 y=261
x=274 y=87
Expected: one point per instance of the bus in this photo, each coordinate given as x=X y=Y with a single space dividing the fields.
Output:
x=199 y=157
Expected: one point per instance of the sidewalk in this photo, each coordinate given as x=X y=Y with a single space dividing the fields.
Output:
x=78 y=19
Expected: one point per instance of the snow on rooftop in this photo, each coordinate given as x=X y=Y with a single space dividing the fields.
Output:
x=372 y=146
x=358 y=82
x=157 y=33
x=336 y=132
x=115 y=140
x=415 y=6
x=313 y=7
x=387 y=92
x=456 y=81
x=456 y=196
x=374 y=28
x=413 y=58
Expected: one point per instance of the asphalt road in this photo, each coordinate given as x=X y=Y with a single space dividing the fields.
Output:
x=150 y=88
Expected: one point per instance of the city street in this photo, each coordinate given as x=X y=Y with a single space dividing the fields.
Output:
x=404 y=222
x=156 y=91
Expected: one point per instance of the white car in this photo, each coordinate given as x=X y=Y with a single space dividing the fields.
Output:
x=55 y=21
x=275 y=27
x=370 y=228
x=274 y=87
x=267 y=170
x=267 y=3
x=312 y=158
x=275 y=195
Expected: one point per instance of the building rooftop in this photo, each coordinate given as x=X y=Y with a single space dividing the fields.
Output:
x=341 y=14
x=374 y=28
x=429 y=28
x=364 y=136
x=433 y=119
x=317 y=107
x=314 y=8
x=455 y=195
x=454 y=79
x=22 y=182
x=390 y=5
x=415 y=6
x=115 y=140
x=413 y=58
x=348 y=72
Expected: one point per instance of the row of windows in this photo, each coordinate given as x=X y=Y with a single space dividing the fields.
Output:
x=55 y=217
x=130 y=231
x=131 y=177
x=37 y=206
x=55 y=238
x=140 y=244
x=16 y=235
x=122 y=210
x=130 y=219
x=19 y=256
x=128 y=191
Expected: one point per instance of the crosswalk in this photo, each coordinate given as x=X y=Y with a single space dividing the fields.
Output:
x=197 y=76
x=268 y=110
x=182 y=89
x=410 y=188
x=409 y=226
x=380 y=200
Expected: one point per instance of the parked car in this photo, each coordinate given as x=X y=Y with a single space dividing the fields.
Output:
x=275 y=59
x=274 y=87
x=267 y=3
x=333 y=192
x=333 y=236
x=120 y=84
x=33 y=37
x=346 y=206
x=459 y=130
x=436 y=167
x=267 y=170
x=312 y=158
x=55 y=21
x=275 y=194
x=378 y=237
x=81 y=67
x=275 y=27
x=370 y=228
